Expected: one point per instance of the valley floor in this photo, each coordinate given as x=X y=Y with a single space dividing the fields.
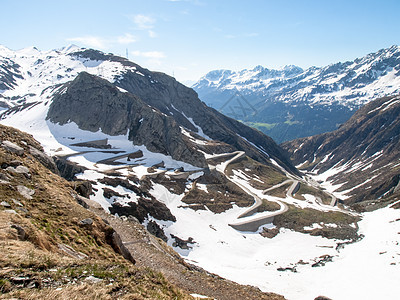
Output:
x=293 y=264
x=288 y=263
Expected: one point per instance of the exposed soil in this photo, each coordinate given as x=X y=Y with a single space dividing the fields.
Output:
x=213 y=198
x=306 y=189
x=262 y=176
x=297 y=218
x=152 y=252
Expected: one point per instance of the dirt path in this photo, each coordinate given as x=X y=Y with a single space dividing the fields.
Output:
x=150 y=251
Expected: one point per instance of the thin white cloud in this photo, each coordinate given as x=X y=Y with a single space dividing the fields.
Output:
x=152 y=34
x=125 y=39
x=144 y=22
x=230 y=36
x=252 y=34
x=152 y=57
x=90 y=41
x=97 y=42
x=149 y=54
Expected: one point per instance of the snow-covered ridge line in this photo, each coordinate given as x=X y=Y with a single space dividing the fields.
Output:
x=41 y=69
x=351 y=83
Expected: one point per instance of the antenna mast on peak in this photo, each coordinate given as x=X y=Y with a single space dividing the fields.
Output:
x=127 y=53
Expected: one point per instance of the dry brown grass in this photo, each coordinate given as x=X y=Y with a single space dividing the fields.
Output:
x=297 y=218
x=268 y=206
x=280 y=191
x=51 y=218
x=266 y=175
x=214 y=199
x=306 y=189
x=35 y=268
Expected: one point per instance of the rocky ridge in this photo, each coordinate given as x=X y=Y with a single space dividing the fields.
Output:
x=362 y=156
x=94 y=103
x=43 y=72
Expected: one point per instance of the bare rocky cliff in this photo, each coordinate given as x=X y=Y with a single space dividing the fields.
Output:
x=94 y=103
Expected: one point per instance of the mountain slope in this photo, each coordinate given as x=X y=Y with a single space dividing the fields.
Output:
x=54 y=247
x=95 y=104
x=362 y=157
x=295 y=103
x=155 y=158
x=40 y=72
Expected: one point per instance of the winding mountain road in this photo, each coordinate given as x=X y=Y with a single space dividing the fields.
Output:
x=249 y=222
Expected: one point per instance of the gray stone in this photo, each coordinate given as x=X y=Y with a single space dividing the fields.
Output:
x=87 y=221
x=21 y=232
x=25 y=192
x=11 y=170
x=4 y=177
x=16 y=202
x=81 y=200
x=68 y=169
x=71 y=251
x=93 y=279
x=23 y=170
x=119 y=247
x=22 y=209
x=5 y=204
x=19 y=170
x=19 y=279
x=15 y=163
x=44 y=159
x=13 y=148
x=10 y=211
x=133 y=219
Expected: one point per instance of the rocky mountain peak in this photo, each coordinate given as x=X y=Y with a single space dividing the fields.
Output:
x=93 y=104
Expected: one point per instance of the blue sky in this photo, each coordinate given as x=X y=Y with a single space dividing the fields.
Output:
x=188 y=38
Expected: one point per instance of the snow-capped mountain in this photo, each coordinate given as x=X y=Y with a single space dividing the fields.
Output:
x=221 y=194
x=361 y=159
x=292 y=102
x=29 y=74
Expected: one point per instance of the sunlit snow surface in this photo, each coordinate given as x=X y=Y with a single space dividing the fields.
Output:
x=333 y=86
x=369 y=269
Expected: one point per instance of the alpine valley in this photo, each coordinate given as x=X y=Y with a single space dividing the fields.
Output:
x=199 y=204
x=291 y=102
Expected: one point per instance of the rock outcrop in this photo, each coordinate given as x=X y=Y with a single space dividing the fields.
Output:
x=94 y=103
x=173 y=98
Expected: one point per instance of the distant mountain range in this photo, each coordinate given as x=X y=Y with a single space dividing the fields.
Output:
x=292 y=102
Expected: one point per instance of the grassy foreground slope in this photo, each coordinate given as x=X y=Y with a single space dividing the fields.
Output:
x=54 y=248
